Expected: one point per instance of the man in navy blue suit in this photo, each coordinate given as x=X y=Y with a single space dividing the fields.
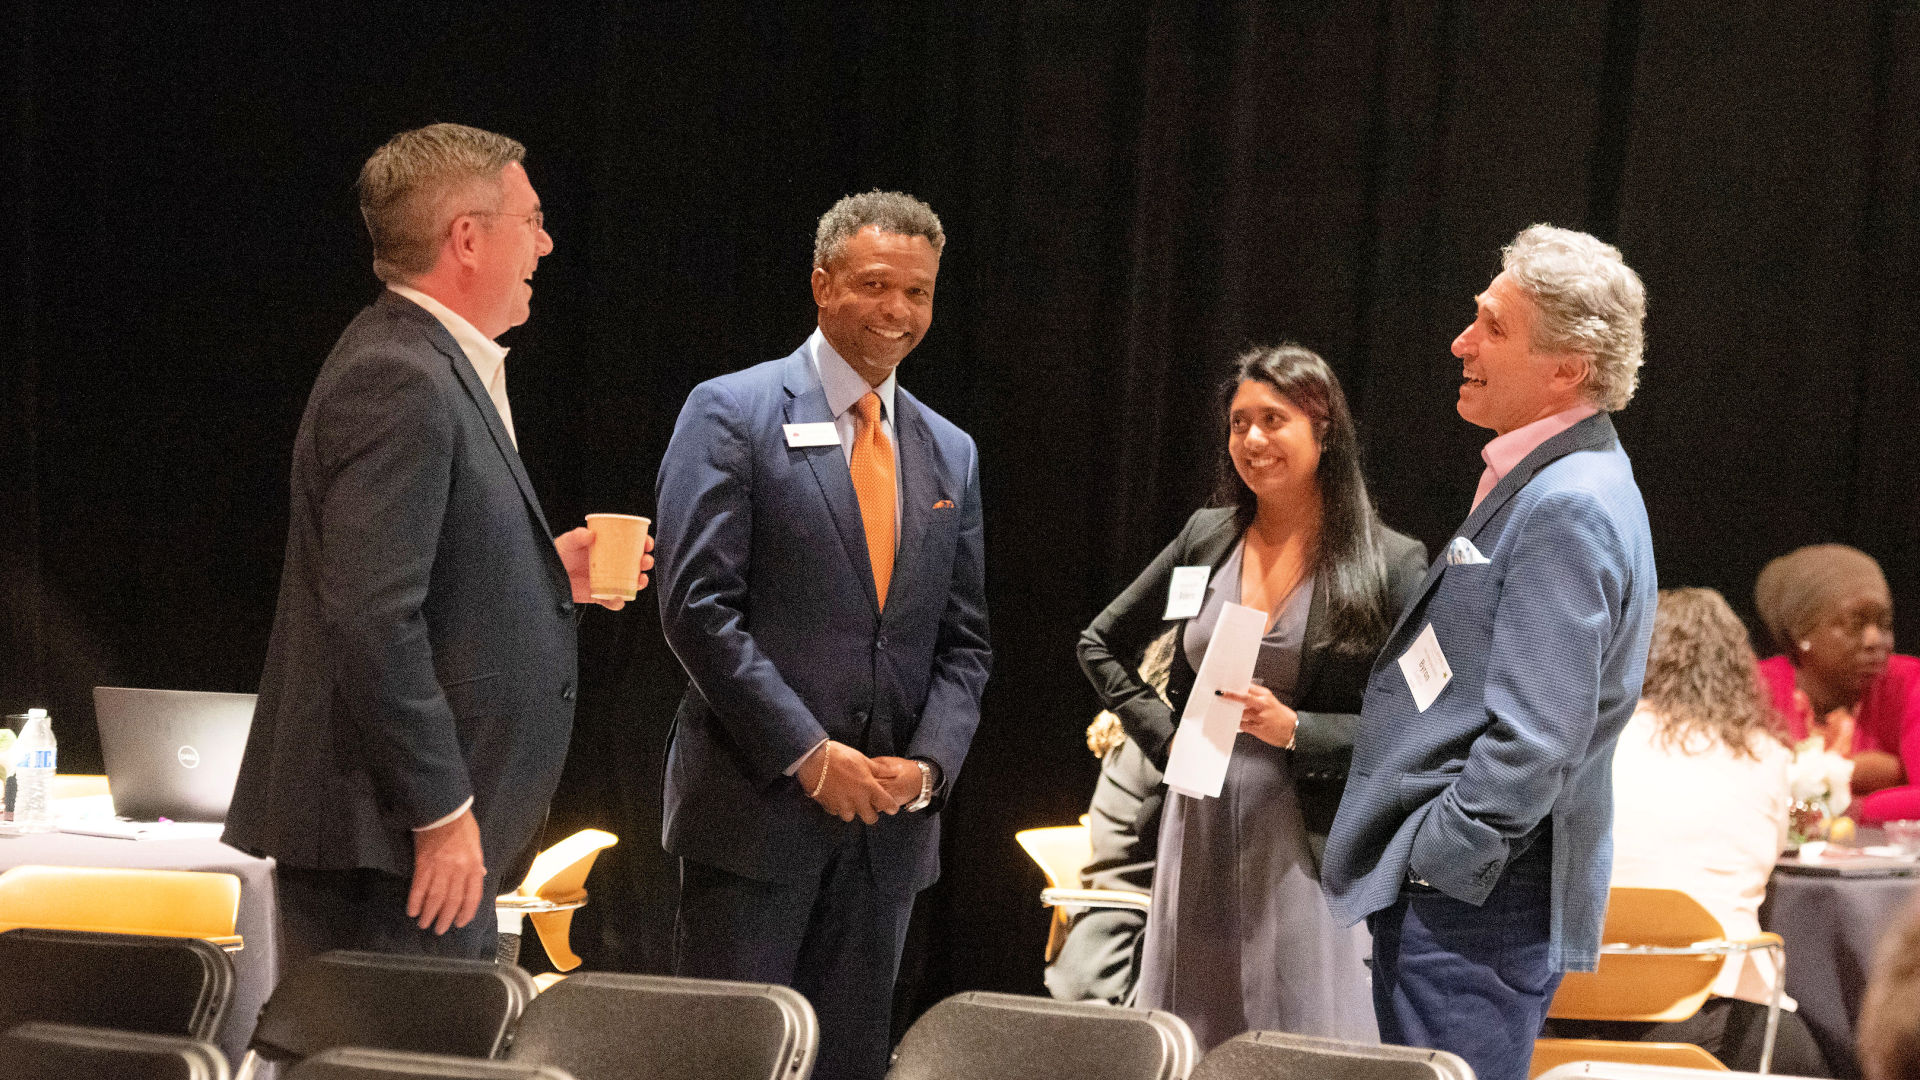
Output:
x=820 y=548
x=1475 y=832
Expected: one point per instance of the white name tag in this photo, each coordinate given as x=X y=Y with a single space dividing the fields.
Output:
x=1187 y=592
x=820 y=434
x=1425 y=667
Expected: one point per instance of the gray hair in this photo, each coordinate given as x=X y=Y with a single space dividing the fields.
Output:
x=409 y=187
x=1589 y=302
x=893 y=211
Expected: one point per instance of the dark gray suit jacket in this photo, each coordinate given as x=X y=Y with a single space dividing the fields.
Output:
x=423 y=647
x=1330 y=683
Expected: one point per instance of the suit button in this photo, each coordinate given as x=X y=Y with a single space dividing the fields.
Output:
x=881 y=644
x=566 y=692
x=566 y=609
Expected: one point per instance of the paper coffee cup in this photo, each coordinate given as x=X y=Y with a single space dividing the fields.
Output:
x=613 y=562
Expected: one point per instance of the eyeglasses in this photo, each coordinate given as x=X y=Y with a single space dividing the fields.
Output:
x=539 y=218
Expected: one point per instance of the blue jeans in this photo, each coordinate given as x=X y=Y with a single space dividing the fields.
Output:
x=1473 y=981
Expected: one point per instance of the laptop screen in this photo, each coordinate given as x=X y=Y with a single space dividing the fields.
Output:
x=171 y=753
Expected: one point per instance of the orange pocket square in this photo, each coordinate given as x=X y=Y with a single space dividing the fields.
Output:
x=944 y=504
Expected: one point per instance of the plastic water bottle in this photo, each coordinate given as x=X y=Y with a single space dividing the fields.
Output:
x=36 y=754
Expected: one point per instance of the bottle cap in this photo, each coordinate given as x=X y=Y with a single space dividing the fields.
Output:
x=36 y=714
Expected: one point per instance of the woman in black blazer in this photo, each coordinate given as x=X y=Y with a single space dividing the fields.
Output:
x=1239 y=937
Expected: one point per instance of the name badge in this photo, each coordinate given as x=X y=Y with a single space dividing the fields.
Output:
x=1188 y=591
x=1425 y=667
x=820 y=434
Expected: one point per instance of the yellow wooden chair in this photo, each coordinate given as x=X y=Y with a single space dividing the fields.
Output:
x=163 y=903
x=1062 y=851
x=554 y=888
x=1662 y=954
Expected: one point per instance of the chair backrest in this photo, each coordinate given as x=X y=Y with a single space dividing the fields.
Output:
x=167 y=903
x=1552 y=1055
x=1277 y=1055
x=159 y=985
x=424 y=1004
x=1642 y=987
x=607 y=1026
x=66 y=1051
x=1613 y=1070
x=1061 y=850
x=1010 y=1037
x=358 y=1063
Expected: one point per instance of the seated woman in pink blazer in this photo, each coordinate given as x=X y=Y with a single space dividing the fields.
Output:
x=1828 y=609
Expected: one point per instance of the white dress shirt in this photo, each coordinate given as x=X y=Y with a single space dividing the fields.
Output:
x=488 y=357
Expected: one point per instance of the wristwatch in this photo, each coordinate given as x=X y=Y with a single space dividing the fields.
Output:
x=926 y=788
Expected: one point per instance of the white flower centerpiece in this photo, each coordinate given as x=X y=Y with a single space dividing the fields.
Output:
x=1821 y=783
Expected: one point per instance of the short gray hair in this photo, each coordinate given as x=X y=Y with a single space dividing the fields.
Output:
x=1589 y=300
x=409 y=186
x=893 y=211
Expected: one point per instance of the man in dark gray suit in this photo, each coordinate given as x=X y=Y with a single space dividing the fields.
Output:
x=419 y=686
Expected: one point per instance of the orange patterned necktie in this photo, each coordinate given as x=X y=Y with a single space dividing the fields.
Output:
x=873 y=485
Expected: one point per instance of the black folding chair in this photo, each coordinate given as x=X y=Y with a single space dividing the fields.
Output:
x=1277 y=1055
x=355 y=1063
x=1009 y=1037
x=607 y=1026
x=422 y=1004
x=66 y=1051
x=129 y=982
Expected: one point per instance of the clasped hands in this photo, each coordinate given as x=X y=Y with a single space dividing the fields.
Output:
x=1264 y=716
x=849 y=784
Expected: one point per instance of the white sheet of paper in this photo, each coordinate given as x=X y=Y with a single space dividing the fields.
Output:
x=1425 y=667
x=820 y=434
x=1188 y=591
x=1202 y=746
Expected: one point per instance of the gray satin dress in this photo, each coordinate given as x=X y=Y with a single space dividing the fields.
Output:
x=1239 y=938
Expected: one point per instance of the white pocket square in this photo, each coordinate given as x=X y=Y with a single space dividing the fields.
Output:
x=1462 y=553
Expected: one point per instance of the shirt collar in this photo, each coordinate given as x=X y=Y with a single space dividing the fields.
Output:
x=842 y=384
x=1503 y=453
x=485 y=354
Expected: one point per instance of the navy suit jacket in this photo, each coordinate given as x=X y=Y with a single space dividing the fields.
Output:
x=767 y=598
x=423 y=646
x=1547 y=641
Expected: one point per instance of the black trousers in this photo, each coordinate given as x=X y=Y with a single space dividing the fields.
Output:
x=835 y=938
x=324 y=910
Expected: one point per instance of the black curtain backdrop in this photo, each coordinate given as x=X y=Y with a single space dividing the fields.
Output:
x=1133 y=194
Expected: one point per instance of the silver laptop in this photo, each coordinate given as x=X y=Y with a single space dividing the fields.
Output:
x=171 y=753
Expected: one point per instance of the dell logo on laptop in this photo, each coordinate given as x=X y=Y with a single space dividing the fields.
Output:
x=189 y=757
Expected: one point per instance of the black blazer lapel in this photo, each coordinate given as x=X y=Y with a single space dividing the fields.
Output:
x=1313 y=650
x=807 y=404
x=489 y=415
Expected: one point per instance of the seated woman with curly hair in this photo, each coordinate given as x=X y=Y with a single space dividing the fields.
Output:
x=1700 y=805
x=1829 y=611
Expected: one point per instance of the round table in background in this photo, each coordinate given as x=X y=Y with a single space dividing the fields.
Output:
x=1831 y=926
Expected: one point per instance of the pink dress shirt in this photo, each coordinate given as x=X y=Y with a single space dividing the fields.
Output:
x=1506 y=451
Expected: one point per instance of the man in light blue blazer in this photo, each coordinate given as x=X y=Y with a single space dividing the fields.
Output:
x=820 y=547
x=1475 y=832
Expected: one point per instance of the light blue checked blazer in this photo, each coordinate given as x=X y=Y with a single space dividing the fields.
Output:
x=1547 y=641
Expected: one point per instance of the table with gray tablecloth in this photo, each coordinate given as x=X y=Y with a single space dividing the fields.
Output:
x=256 y=966
x=1831 y=926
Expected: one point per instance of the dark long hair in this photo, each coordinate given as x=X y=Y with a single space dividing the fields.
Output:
x=1349 y=560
